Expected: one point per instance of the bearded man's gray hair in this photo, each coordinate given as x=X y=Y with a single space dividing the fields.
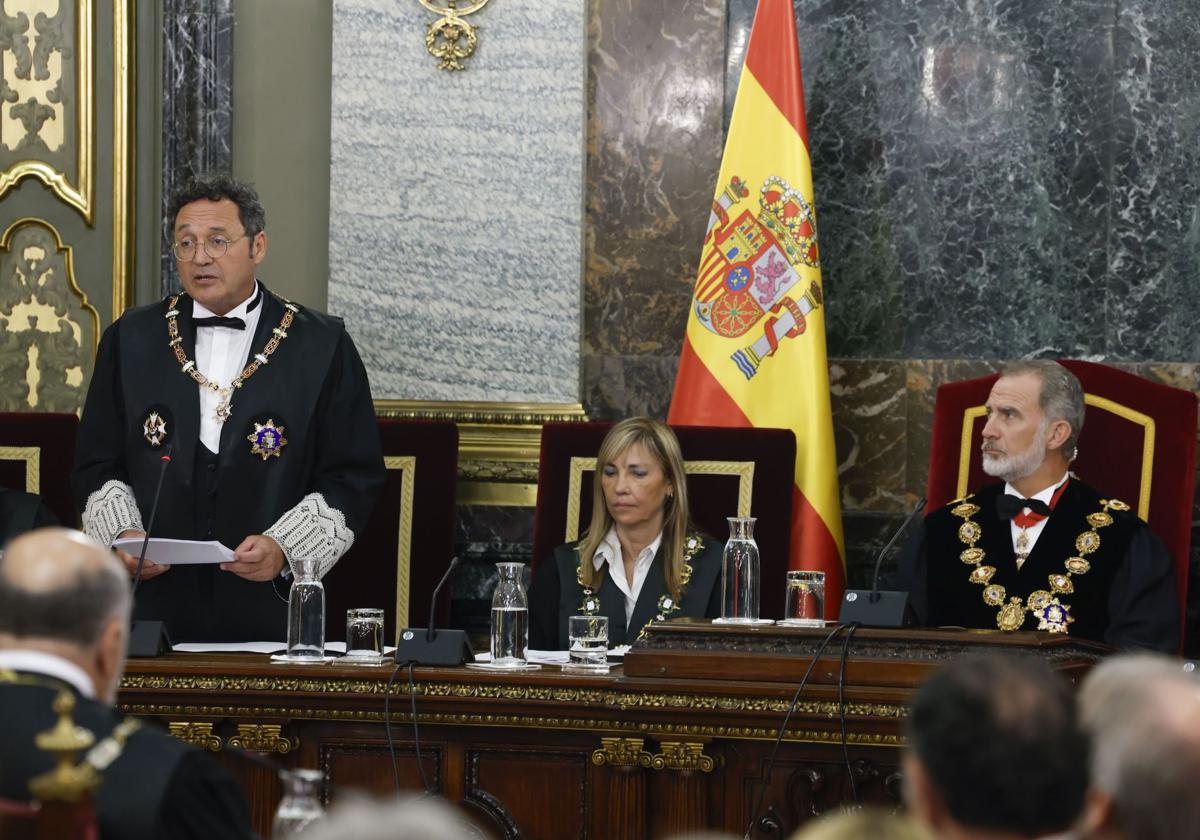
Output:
x=1060 y=396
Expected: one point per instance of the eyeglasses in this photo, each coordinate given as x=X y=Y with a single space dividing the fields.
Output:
x=215 y=246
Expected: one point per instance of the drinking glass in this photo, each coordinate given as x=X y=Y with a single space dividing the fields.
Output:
x=364 y=633
x=805 y=605
x=306 y=612
x=588 y=635
x=510 y=617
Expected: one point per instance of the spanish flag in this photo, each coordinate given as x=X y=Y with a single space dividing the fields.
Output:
x=754 y=352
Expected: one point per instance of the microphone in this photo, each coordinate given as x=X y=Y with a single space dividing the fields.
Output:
x=879 y=560
x=873 y=608
x=431 y=633
x=429 y=646
x=162 y=473
x=149 y=638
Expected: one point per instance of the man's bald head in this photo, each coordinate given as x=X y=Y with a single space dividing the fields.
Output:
x=58 y=585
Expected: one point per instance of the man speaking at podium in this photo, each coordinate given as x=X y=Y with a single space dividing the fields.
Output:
x=1042 y=551
x=255 y=412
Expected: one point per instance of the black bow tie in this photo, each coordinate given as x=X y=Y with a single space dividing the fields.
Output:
x=232 y=323
x=220 y=321
x=1009 y=506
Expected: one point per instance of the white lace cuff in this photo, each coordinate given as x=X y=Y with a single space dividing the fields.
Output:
x=111 y=510
x=313 y=529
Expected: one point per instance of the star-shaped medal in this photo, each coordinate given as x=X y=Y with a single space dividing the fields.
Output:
x=267 y=439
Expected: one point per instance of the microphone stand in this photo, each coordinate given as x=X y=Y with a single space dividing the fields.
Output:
x=429 y=646
x=148 y=638
x=873 y=607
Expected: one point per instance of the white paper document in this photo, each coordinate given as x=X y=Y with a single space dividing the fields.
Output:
x=177 y=552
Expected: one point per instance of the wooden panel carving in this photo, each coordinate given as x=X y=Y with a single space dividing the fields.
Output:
x=48 y=330
x=556 y=779
x=46 y=97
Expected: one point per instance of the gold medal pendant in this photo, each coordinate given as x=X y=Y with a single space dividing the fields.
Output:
x=1011 y=616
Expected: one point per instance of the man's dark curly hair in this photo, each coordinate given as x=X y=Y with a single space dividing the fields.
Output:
x=214 y=186
x=1001 y=742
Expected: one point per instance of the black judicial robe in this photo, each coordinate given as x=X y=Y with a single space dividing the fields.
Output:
x=157 y=788
x=1127 y=598
x=314 y=386
x=555 y=595
x=21 y=512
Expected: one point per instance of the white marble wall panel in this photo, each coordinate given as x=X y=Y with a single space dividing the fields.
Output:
x=456 y=209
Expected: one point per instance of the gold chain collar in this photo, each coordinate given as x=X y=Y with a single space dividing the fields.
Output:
x=667 y=606
x=188 y=366
x=1052 y=615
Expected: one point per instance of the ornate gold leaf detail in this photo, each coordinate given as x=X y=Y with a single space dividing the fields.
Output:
x=965 y=510
x=262 y=737
x=680 y=755
x=972 y=555
x=982 y=574
x=969 y=532
x=1087 y=542
x=1114 y=504
x=1100 y=519
x=1011 y=616
x=619 y=752
x=1077 y=565
x=994 y=595
x=1039 y=599
x=1061 y=584
x=197 y=733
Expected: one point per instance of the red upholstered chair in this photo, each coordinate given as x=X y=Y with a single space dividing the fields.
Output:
x=731 y=472
x=1138 y=444
x=36 y=454
x=409 y=538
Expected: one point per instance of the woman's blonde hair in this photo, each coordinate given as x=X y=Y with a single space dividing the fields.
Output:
x=660 y=442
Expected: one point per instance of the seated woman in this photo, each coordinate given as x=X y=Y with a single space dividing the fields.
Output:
x=639 y=560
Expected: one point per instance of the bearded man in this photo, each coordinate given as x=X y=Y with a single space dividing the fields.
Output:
x=1042 y=550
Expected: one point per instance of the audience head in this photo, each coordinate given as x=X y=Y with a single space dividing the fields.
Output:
x=640 y=485
x=864 y=825
x=408 y=817
x=1035 y=415
x=1142 y=713
x=62 y=594
x=995 y=747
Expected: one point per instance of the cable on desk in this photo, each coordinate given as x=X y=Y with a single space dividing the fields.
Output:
x=783 y=727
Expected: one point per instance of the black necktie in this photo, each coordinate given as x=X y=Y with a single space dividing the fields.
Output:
x=1009 y=506
x=220 y=321
x=232 y=323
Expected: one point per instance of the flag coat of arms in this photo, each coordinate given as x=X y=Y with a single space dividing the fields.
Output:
x=754 y=352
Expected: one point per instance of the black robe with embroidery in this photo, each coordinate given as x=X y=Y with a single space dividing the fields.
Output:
x=1127 y=598
x=314 y=386
x=157 y=788
x=555 y=595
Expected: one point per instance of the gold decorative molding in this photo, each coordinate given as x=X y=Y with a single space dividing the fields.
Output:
x=67 y=781
x=197 y=733
x=48 y=330
x=450 y=39
x=498 y=444
x=263 y=738
x=680 y=755
x=741 y=733
x=32 y=457
x=744 y=470
x=37 y=98
x=620 y=752
x=123 y=154
x=407 y=465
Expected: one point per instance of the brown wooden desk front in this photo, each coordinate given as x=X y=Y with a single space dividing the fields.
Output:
x=675 y=740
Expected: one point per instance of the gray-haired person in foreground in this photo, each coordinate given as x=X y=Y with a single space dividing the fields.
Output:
x=64 y=620
x=1143 y=715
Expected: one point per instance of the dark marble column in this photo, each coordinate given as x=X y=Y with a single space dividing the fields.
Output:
x=197 y=58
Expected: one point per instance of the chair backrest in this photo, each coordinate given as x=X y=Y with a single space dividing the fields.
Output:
x=37 y=450
x=1138 y=444
x=409 y=538
x=48 y=820
x=747 y=472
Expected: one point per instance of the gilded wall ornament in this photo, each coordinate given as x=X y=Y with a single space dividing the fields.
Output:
x=451 y=39
x=46 y=108
x=48 y=330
